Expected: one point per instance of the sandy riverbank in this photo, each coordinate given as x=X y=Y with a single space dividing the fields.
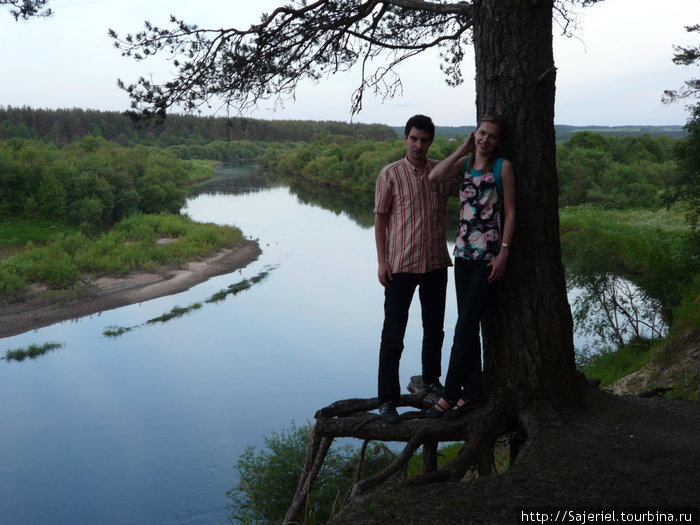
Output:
x=106 y=293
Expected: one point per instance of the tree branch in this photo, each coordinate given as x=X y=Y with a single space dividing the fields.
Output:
x=241 y=67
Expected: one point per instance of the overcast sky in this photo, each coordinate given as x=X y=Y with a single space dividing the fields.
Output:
x=613 y=72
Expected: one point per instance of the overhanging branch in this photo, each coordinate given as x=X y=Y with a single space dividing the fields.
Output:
x=295 y=42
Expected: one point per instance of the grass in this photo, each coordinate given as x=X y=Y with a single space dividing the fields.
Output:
x=180 y=311
x=17 y=232
x=175 y=313
x=136 y=243
x=662 y=219
x=447 y=453
x=31 y=352
x=198 y=170
x=610 y=365
x=657 y=251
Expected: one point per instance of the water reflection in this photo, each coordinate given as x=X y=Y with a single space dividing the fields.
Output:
x=146 y=427
x=235 y=179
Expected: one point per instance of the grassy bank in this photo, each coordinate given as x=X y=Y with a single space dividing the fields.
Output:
x=657 y=251
x=141 y=242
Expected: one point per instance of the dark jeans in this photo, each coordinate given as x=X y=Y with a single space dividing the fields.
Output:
x=464 y=372
x=432 y=287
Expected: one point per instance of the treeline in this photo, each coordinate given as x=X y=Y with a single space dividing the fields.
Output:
x=96 y=182
x=91 y=182
x=565 y=132
x=613 y=172
x=63 y=126
x=350 y=164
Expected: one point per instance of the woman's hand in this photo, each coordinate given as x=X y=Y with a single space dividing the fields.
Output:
x=498 y=266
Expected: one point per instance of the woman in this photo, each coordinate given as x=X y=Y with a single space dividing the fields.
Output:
x=486 y=222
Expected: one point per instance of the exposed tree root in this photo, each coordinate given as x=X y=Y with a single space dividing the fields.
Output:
x=479 y=428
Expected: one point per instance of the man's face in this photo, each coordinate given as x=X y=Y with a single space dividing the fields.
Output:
x=418 y=143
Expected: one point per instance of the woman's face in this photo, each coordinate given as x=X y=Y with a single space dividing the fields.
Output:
x=487 y=137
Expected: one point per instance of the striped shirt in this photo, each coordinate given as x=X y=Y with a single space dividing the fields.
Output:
x=416 y=241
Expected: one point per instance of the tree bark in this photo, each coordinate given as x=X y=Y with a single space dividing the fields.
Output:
x=527 y=328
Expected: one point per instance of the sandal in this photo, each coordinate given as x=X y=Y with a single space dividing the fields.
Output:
x=467 y=405
x=438 y=410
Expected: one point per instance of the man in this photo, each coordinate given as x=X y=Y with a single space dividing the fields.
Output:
x=412 y=252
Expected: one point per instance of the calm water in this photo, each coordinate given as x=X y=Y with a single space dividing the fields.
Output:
x=146 y=428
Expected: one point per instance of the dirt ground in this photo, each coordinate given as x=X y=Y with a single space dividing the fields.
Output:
x=105 y=293
x=623 y=452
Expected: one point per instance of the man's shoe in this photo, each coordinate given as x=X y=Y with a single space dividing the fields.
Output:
x=387 y=411
x=434 y=387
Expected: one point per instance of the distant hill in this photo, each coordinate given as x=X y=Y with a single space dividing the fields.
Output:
x=564 y=132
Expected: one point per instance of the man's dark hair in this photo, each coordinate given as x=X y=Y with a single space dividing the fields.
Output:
x=422 y=123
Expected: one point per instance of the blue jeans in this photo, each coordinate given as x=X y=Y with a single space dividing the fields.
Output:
x=432 y=287
x=464 y=372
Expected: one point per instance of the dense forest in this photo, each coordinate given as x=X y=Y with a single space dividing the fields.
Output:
x=564 y=132
x=66 y=125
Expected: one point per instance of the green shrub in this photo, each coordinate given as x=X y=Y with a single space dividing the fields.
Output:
x=12 y=286
x=687 y=314
x=269 y=477
x=610 y=365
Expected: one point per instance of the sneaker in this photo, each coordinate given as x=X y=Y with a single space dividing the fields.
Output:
x=387 y=411
x=434 y=387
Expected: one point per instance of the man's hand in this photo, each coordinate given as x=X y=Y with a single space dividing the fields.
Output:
x=384 y=273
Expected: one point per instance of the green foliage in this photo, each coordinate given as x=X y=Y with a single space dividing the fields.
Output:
x=610 y=365
x=655 y=250
x=687 y=314
x=31 y=352
x=614 y=172
x=92 y=182
x=180 y=311
x=349 y=164
x=63 y=126
x=445 y=455
x=175 y=313
x=12 y=286
x=143 y=242
x=269 y=477
x=686 y=186
x=18 y=231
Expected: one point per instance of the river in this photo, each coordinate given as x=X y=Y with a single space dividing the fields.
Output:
x=145 y=428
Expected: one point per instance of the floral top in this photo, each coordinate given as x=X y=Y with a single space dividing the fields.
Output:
x=478 y=238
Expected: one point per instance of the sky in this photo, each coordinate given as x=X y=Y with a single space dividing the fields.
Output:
x=612 y=72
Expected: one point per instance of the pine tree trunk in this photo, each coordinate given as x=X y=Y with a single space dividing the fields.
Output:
x=528 y=328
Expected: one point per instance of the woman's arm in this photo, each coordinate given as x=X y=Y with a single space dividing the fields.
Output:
x=449 y=168
x=498 y=265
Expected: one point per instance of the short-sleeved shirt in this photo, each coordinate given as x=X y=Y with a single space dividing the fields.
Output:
x=416 y=240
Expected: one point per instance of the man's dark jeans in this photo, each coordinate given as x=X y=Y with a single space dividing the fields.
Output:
x=432 y=287
x=464 y=373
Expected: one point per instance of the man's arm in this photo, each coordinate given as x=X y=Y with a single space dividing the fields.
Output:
x=381 y=221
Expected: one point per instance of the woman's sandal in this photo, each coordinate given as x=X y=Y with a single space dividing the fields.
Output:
x=438 y=410
x=467 y=405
